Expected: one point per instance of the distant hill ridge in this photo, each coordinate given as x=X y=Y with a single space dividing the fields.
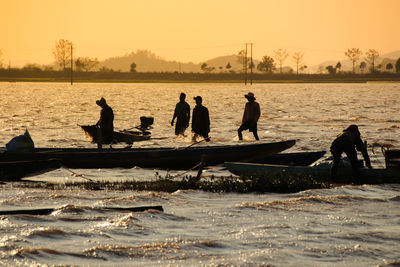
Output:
x=146 y=61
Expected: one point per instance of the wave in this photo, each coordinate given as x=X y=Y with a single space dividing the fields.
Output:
x=395 y=198
x=44 y=232
x=386 y=120
x=151 y=195
x=26 y=251
x=309 y=200
x=125 y=221
x=37 y=198
x=391 y=127
x=165 y=250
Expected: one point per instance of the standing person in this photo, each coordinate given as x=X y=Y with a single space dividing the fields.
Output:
x=347 y=142
x=182 y=115
x=250 y=116
x=200 y=120
x=106 y=123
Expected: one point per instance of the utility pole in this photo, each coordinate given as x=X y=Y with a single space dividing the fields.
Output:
x=251 y=63
x=245 y=66
x=72 y=63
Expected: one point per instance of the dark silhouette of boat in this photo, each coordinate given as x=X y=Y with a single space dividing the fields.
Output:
x=16 y=169
x=321 y=173
x=162 y=158
x=292 y=159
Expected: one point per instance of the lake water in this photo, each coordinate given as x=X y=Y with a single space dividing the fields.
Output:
x=343 y=226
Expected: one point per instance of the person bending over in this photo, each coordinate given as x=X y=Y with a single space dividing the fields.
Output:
x=348 y=141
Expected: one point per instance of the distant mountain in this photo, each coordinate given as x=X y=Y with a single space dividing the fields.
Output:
x=147 y=61
x=392 y=55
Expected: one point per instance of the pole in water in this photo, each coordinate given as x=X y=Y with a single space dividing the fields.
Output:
x=245 y=66
x=72 y=63
x=251 y=63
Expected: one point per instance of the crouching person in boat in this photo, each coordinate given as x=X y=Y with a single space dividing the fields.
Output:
x=105 y=123
x=347 y=142
x=250 y=116
x=200 y=120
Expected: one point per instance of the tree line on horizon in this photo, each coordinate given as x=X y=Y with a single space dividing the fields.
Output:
x=63 y=55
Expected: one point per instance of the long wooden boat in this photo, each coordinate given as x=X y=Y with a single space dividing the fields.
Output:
x=163 y=158
x=15 y=170
x=128 y=137
x=292 y=159
x=48 y=211
x=376 y=175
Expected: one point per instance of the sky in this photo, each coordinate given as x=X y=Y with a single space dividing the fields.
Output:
x=196 y=30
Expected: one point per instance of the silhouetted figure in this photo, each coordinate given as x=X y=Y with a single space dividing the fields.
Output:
x=347 y=142
x=106 y=123
x=200 y=120
x=182 y=115
x=250 y=116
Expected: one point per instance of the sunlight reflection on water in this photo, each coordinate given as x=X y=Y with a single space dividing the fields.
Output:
x=345 y=226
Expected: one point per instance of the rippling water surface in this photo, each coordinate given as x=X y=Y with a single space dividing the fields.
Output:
x=345 y=226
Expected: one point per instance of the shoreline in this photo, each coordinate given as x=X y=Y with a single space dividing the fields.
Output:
x=177 y=77
x=50 y=80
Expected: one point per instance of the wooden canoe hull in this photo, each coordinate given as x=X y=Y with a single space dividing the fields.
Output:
x=160 y=158
x=15 y=170
x=292 y=159
x=373 y=176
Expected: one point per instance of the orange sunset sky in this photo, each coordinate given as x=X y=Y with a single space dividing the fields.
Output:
x=188 y=30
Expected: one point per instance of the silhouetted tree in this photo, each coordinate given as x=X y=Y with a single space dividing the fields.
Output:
x=363 y=65
x=204 y=67
x=371 y=56
x=48 y=68
x=389 y=66
x=251 y=65
x=1 y=59
x=398 y=65
x=354 y=55
x=331 y=70
x=338 y=66
x=280 y=56
x=86 y=63
x=133 y=67
x=320 y=69
x=62 y=52
x=302 y=68
x=32 y=68
x=242 y=59
x=266 y=65
x=298 y=60
x=105 y=69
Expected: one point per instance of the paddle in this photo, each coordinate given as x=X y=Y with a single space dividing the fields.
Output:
x=197 y=142
x=76 y=174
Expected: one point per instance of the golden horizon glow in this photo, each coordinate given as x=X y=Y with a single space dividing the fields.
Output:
x=195 y=31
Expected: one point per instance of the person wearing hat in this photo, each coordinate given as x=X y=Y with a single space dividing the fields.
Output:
x=106 y=123
x=347 y=142
x=250 y=116
x=182 y=115
x=200 y=120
